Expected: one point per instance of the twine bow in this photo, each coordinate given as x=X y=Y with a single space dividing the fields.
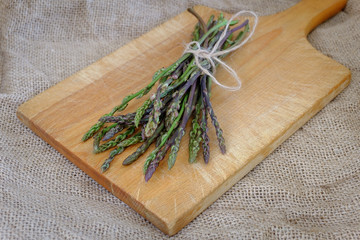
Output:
x=213 y=55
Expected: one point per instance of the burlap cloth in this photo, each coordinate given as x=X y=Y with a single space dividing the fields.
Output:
x=308 y=188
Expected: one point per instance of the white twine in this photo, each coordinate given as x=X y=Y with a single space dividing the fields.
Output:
x=212 y=56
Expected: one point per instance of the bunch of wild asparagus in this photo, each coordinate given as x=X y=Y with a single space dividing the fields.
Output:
x=183 y=92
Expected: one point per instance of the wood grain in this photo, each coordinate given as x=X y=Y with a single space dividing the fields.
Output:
x=285 y=82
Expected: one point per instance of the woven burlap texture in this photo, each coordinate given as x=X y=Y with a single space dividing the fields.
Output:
x=307 y=188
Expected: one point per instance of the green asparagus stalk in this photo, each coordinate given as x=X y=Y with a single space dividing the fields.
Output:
x=134 y=156
x=105 y=166
x=120 y=148
x=141 y=111
x=115 y=141
x=195 y=134
x=181 y=130
x=100 y=135
x=132 y=140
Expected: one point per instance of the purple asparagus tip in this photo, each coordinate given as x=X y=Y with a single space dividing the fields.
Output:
x=240 y=26
x=223 y=149
x=150 y=171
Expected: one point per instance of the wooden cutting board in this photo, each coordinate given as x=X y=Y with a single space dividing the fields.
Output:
x=285 y=82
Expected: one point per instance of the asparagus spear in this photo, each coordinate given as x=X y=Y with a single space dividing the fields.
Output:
x=115 y=141
x=159 y=157
x=195 y=134
x=141 y=111
x=132 y=140
x=135 y=155
x=105 y=166
x=204 y=132
x=120 y=148
x=111 y=133
x=214 y=120
x=181 y=129
x=172 y=111
x=100 y=135
x=154 y=118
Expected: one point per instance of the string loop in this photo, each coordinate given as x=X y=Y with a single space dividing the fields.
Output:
x=213 y=56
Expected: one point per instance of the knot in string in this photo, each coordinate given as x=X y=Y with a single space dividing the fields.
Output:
x=212 y=55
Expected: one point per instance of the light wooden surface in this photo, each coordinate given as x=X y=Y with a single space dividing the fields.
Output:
x=285 y=82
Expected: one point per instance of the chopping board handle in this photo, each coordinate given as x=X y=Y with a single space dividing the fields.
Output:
x=308 y=14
